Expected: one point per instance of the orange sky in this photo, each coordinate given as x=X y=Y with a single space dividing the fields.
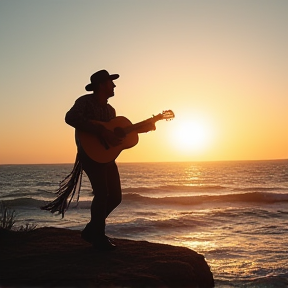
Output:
x=221 y=67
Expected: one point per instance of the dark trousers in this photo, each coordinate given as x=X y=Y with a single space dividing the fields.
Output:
x=105 y=182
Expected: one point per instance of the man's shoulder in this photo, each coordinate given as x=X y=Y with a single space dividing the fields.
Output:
x=83 y=98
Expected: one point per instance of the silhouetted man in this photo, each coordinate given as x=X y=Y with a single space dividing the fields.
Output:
x=104 y=177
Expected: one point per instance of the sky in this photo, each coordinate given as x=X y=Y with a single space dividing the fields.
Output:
x=220 y=65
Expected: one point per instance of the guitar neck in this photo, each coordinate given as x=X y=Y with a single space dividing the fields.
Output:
x=167 y=114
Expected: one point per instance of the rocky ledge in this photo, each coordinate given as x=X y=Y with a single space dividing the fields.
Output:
x=54 y=257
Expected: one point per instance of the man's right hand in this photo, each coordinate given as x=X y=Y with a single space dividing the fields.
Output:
x=110 y=138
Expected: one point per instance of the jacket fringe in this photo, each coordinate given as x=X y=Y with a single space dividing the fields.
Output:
x=68 y=187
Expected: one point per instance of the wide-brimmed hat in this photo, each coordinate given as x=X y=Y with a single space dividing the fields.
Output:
x=100 y=77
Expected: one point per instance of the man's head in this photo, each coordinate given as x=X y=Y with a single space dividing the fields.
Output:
x=99 y=78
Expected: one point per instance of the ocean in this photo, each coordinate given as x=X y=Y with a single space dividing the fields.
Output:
x=234 y=213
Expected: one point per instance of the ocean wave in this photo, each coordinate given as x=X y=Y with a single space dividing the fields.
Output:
x=46 y=183
x=258 y=197
x=209 y=188
x=173 y=188
x=24 y=193
x=84 y=203
x=260 y=189
x=24 y=202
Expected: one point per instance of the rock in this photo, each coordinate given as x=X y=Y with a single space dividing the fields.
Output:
x=54 y=257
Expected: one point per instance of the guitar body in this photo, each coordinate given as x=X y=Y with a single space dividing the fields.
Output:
x=101 y=152
x=97 y=151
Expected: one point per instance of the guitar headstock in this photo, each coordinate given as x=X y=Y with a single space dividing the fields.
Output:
x=167 y=115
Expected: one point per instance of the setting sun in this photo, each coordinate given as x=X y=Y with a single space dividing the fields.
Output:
x=191 y=134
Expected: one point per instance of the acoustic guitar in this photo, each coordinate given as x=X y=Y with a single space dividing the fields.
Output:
x=101 y=152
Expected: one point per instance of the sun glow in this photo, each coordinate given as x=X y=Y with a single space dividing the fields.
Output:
x=191 y=134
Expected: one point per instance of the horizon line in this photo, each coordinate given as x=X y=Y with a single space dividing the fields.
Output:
x=145 y=162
